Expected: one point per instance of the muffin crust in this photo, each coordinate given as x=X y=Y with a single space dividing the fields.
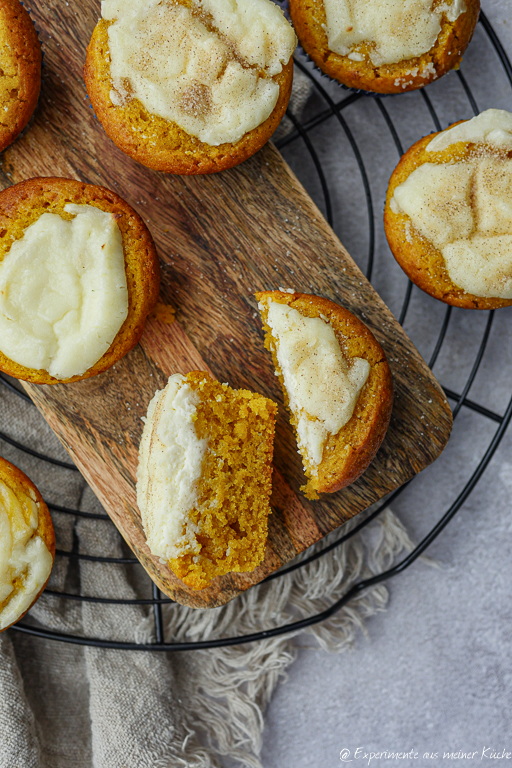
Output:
x=20 y=70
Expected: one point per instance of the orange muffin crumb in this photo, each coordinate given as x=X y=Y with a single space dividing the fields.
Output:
x=225 y=529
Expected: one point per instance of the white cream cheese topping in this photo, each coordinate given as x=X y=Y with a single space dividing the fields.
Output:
x=25 y=562
x=465 y=208
x=321 y=385
x=207 y=68
x=493 y=127
x=170 y=466
x=396 y=30
x=437 y=199
x=63 y=294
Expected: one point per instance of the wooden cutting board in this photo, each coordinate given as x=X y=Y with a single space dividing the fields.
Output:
x=220 y=239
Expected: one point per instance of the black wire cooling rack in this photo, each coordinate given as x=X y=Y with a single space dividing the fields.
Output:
x=299 y=144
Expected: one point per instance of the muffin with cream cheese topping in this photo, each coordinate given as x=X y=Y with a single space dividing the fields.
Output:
x=27 y=544
x=190 y=86
x=205 y=477
x=336 y=383
x=79 y=274
x=385 y=46
x=448 y=214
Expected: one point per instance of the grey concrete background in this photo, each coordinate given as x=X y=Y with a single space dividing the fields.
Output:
x=434 y=673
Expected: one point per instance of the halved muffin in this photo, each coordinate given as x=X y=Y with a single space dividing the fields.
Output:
x=27 y=544
x=79 y=274
x=205 y=477
x=190 y=86
x=20 y=70
x=448 y=214
x=385 y=46
x=336 y=383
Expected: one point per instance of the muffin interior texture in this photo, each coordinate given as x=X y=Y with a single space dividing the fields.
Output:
x=225 y=529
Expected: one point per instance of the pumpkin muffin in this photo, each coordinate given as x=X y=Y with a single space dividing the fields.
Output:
x=79 y=274
x=336 y=383
x=20 y=70
x=385 y=46
x=448 y=214
x=205 y=477
x=190 y=86
x=27 y=544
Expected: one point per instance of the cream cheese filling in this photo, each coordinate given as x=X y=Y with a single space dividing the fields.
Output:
x=393 y=30
x=493 y=127
x=170 y=467
x=25 y=562
x=63 y=292
x=322 y=387
x=208 y=68
x=465 y=208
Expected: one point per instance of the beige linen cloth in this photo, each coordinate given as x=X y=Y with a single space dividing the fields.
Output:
x=69 y=706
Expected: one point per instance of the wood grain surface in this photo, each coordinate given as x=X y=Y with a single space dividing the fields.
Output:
x=220 y=239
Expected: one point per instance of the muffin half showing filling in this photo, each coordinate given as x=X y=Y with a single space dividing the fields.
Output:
x=27 y=544
x=448 y=215
x=190 y=86
x=385 y=46
x=205 y=477
x=336 y=383
x=78 y=276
